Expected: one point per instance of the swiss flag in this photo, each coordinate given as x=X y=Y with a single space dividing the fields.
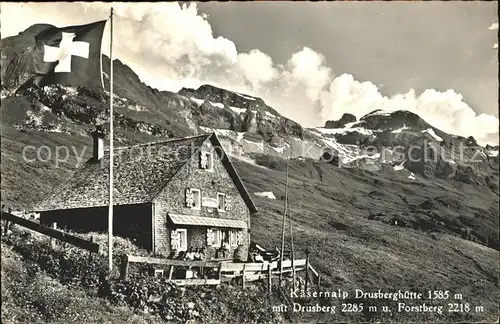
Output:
x=69 y=55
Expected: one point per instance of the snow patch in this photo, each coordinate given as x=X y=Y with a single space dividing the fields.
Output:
x=400 y=166
x=493 y=153
x=246 y=97
x=280 y=150
x=217 y=104
x=265 y=194
x=346 y=152
x=397 y=131
x=349 y=125
x=411 y=176
x=236 y=136
x=342 y=131
x=238 y=110
x=379 y=112
x=431 y=132
x=268 y=114
x=196 y=101
x=365 y=156
x=260 y=146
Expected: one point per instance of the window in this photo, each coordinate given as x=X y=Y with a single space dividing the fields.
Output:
x=210 y=164
x=207 y=161
x=214 y=237
x=218 y=238
x=196 y=199
x=221 y=199
x=179 y=239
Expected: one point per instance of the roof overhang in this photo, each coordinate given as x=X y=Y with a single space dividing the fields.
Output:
x=187 y=220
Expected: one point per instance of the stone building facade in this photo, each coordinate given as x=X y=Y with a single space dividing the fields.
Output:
x=177 y=194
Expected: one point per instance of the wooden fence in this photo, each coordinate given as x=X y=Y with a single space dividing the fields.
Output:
x=227 y=270
x=215 y=263
x=51 y=232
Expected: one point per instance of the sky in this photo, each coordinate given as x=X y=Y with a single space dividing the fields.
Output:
x=311 y=61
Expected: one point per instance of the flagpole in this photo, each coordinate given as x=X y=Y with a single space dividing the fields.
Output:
x=110 y=212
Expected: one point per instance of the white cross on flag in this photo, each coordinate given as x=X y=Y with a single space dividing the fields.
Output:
x=69 y=55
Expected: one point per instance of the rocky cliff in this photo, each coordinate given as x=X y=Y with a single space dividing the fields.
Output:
x=245 y=124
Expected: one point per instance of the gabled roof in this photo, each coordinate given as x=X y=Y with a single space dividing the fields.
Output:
x=140 y=173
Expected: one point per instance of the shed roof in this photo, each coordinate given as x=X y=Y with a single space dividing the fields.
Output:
x=206 y=221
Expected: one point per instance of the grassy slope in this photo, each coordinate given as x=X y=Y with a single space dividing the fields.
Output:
x=330 y=207
x=29 y=295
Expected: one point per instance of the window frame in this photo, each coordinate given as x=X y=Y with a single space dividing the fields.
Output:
x=233 y=234
x=210 y=161
x=218 y=237
x=195 y=201
x=218 y=206
x=180 y=248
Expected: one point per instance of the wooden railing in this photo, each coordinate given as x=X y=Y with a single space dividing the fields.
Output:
x=226 y=269
x=213 y=263
x=51 y=232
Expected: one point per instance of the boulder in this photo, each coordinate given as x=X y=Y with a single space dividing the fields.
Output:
x=331 y=157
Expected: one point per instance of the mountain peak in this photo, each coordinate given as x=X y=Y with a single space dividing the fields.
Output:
x=345 y=119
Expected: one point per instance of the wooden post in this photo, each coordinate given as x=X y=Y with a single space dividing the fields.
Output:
x=284 y=223
x=124 y=269
x=53 y=240
x=307 y=271
x=170 y=272
x=292 y=252
x=220 y=271
x=269 y=279
x=90 y=252
x=243 y=276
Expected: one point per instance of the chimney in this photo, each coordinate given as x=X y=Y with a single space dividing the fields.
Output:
x=98 y=143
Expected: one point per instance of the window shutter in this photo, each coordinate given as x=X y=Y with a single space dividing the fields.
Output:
x=239 y=237
x=203 y=160
x=175 y=240
x=228 y=203
x=210 y=237
x=189 y=198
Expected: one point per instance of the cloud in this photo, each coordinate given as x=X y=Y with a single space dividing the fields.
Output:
x=493 y=26
x=172 y=46
x=444 y=110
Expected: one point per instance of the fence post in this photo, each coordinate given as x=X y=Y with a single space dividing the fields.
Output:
x=124 y=268
x=170 y=272
x=220 y=271
x=53 y=240
x=269 y=279
x=307 y=271
x=90 y=252
x=243 y=275
x=6 y=228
